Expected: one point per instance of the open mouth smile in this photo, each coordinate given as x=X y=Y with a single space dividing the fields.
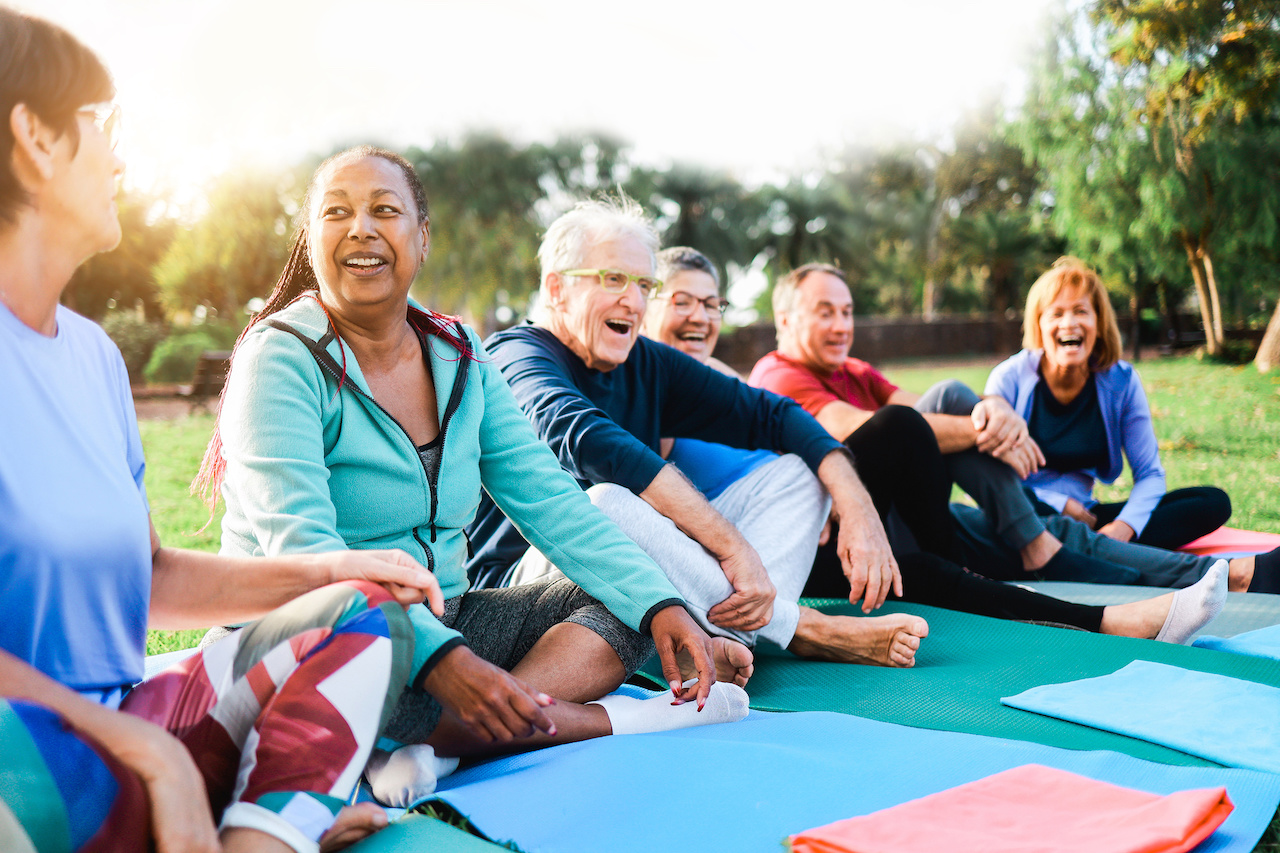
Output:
x=621 y=327
x=365 y=263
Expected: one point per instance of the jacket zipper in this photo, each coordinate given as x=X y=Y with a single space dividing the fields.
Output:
x=325 y=361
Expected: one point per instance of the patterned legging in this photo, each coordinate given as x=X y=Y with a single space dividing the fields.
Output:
x=279 y=717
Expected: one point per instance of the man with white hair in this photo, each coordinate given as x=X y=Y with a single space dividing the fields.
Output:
x=603 y=398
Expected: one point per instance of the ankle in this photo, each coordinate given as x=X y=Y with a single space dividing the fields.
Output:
x=1039 y=551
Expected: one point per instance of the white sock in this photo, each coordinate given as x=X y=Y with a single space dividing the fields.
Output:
x=407 y=776
x=629 y=716
x=1195 y=606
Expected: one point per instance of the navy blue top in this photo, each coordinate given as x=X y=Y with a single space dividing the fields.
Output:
x=1071 y=435
x=605 y=426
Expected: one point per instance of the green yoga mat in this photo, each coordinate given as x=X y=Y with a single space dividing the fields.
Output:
x=967 y=663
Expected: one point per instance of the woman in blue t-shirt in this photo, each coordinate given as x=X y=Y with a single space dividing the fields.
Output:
x=245 y=736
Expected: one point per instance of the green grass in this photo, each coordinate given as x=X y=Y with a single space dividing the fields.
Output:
x=174 y=449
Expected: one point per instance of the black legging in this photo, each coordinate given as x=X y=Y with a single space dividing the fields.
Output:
x=1182 y=516
x=929 y=579
x=897 y=459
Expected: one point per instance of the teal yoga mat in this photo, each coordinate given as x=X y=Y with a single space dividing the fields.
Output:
x=968 y=663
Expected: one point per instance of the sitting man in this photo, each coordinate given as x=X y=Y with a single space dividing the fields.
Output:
x=602 y=398
x=677 y=320
x=986 y=450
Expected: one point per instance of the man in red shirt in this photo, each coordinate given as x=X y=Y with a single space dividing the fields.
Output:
x=909 y=448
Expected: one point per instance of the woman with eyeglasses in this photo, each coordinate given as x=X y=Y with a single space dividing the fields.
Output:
x=354 y=418
x=254 y=744
x=687 y=313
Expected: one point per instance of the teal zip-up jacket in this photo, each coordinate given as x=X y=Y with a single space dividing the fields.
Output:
x=314 y=467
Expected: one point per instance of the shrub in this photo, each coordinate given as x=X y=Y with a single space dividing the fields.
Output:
x=174 y=360
x=136 y=338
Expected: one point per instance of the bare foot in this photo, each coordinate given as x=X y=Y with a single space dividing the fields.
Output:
x=874 y=640
x=734 y=662
x=352 y=824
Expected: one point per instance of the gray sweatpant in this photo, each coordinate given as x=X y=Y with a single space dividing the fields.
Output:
x=993 y=484
x=982 y=546
x=779 y=508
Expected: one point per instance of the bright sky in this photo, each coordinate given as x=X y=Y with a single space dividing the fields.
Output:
x=755 y=88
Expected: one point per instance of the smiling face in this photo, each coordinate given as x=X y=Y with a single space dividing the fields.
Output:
x=364 y=236
x=1069 y=329
x=600 y=327
x=818 y=329
x=695 y=333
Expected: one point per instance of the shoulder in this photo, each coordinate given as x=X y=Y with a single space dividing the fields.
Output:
x=859 y=369
x=96 y=352
x=522 y=340
x=1120 y=380
x=1019 y=365
x=775 y=365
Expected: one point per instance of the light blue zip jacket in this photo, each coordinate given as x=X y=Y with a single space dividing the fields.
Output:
x=1127 y=418
x=312 y=467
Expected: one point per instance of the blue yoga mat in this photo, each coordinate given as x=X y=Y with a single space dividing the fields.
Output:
x=1262 y=643
x=1227 y=720
x=743 y=787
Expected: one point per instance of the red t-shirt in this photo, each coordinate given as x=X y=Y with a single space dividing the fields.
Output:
x=855 y=382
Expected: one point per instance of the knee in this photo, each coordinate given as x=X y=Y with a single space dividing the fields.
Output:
x=904 y=427
x=949 y=397
x=790 y=471
x=1218 y=505
x=612 y=499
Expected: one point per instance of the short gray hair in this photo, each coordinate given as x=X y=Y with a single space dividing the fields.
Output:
x=570 y=237
x=784 y=290
x=681 y=258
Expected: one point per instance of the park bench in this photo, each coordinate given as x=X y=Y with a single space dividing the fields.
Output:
x=210 y=376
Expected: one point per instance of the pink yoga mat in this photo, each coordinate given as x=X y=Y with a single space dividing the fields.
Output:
x=1229 y=540
x=1030 y=808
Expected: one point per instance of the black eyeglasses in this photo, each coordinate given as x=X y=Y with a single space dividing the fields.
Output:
x=683 y=304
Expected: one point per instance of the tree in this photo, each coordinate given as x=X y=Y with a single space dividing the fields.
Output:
x=235 y=250
x=122 y=277
x=1203 y=64
x=1115 y=195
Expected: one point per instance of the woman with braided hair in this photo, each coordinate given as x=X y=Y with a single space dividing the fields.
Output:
x=352 y=418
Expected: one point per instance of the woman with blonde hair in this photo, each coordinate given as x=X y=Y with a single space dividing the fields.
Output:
x=1087 y=411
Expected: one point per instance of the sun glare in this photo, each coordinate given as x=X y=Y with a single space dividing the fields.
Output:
x=215 y=85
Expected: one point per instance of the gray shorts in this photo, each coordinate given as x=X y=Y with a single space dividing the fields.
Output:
x=502 y=625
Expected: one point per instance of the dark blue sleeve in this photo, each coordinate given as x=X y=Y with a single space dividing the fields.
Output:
x=704 y=403
x=589 y=443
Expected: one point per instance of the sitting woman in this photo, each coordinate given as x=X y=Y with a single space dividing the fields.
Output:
x=1087 y=411
x=354 y=419
x=250 y=737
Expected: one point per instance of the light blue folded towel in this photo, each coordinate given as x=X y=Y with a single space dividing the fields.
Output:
x=1262 y=643
x=1227 y=720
